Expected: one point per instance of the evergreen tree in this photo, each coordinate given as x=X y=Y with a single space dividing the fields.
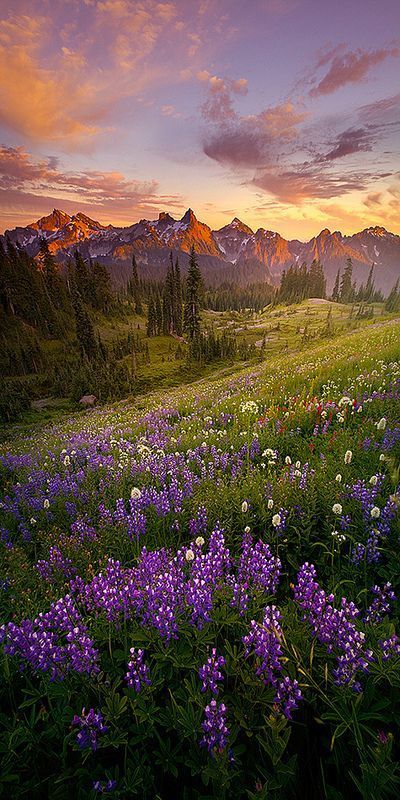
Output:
x=134 y=288
x=336 y=288
x=346 y=285
x=84 y=331
x=370 y=286
x=53 y=283
x=168 y=299
x=100 y=296
x=158 y=315
x=177 y=300
x=393 y=299
x=81 y=278
x=151 y=319
x=191 y=317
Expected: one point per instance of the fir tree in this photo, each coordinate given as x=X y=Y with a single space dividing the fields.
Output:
x=81 y=277
x=393 y=299
x=370 y=286
x=191 y=317
x=168 y=299
x=134 y=287
x=151 y=319
x=84 y=331
x=158 y=315
x=346 y=285
x=177 y=300
x=336 y=288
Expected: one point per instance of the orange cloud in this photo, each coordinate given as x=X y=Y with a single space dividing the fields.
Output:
x=350 y=67
x=27 y=184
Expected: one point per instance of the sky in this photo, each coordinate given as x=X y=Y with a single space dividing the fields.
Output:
x=284 y=113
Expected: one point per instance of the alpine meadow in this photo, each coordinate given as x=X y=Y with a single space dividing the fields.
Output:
x=199 y=409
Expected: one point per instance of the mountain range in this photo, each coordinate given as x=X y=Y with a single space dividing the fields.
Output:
x=234 y=253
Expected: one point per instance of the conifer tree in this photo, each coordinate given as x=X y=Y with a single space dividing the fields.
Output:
x=169 y=299
x=158 y=315
x=346 y=285
x=336 y=288
x=84 y=331
x=177 y=300
x=191 y=317
x=151 y=318
x=370 y=286
x=134 y=287
x=81 y=278
x=393 y=299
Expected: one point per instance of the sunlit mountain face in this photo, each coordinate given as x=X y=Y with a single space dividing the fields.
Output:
x=284 y=113
x=232 y=253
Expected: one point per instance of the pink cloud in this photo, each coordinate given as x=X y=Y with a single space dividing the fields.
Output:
x=218 y=105
x=354 y=140
x=349 y=67
x=27 y=183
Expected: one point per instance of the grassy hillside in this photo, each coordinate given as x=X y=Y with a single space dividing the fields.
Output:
x=275 y=330
x=187 y=520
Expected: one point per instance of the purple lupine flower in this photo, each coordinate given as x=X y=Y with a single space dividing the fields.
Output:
x=103 y=788
x=381 y=604
x=138 y=672
x=91 y=725
x=288 y=695
x=56 y=642
x=333 y=627
x=390 y=647
x=264 y=642
x=216 y=732
x=258 y=569
x=210 y=672
x=57 y=564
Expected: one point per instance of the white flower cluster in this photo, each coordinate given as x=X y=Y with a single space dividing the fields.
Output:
x=249 y=407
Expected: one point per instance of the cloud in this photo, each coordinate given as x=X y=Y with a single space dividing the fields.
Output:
x=70 y=77
x=255 y=140
x=354 y=140
x=385 y=110
x=26 y=182
x=218 y=105
x=351 y=66
x=305 y=182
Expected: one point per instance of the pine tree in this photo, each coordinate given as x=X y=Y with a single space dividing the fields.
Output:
x=100 y=296
x=158 y=315
x=191 y=316
x=53 y=283
x=370 y=286
x=81 y=278
x=336 y=289
x=84 y=331
x=134 y=287
x=168 y=299
x=151 y=319
x=393 y=299
x=346 y=285
x=177 y=300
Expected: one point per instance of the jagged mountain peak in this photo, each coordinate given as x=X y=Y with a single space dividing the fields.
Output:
x=189 y=217
x=53 y=221
x=241 y=226
x=91 y=223
x=377 y=230
x=164 y=216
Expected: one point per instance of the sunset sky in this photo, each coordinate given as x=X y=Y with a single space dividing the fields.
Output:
x=285 y=113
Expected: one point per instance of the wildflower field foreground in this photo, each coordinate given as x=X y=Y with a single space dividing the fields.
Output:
x=198 y=592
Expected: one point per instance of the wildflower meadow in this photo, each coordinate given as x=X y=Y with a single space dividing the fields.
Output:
x=199 y=591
